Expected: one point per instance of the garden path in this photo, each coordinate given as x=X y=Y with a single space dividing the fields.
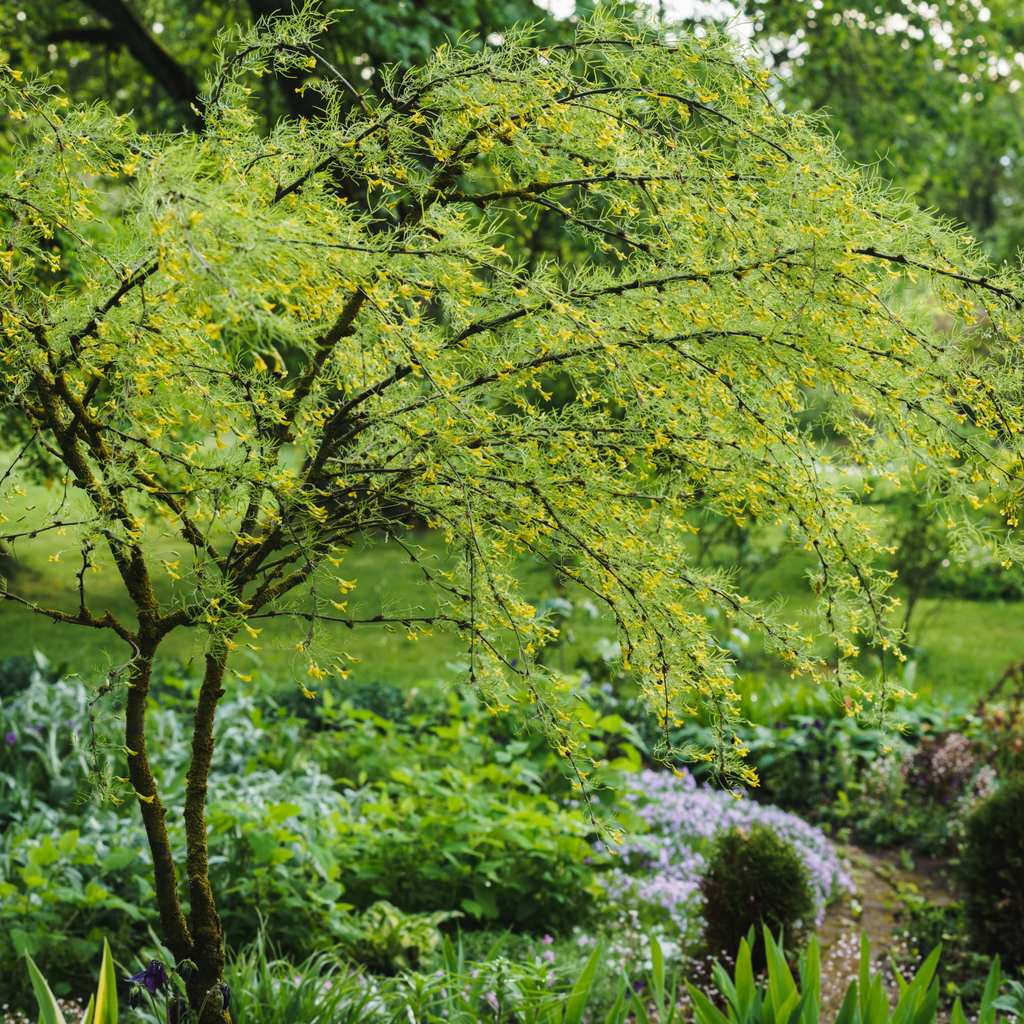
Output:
x=880 y=880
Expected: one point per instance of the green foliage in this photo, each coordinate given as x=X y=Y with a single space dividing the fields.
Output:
x=49 y=1011
x=432 y=840
x=927 y=95
x=989 y=1002
x=754 y=878
x=59 y=895
x=386 y=941
x=673 y=269
x=430 y=822
x=1013 y=1002
x=780 y=998
x=462 y=990
x=102 y=1006
x=962 y=971
x=989 y=872
x=775 y=999
x=91 y=51
x=320 y=989
x=241 y=350
x=855 y=777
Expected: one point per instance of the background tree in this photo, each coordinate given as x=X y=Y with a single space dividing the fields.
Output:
x=152 y=57
x=927 y=95
x=724 y=259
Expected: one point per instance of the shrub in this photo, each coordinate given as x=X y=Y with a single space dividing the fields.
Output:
x=926 y=926
x=754 y=877
x=990 y=871
x=387 y=941
x=683 y=820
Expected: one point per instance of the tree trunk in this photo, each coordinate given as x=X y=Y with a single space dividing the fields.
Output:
x=207 y=943
x=165 y=877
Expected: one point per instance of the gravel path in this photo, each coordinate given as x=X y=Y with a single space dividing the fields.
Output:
x=879 y=879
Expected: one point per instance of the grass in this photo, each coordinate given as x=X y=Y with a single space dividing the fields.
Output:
x=960 y=647
x=382 y=574
x=45 y=568
x=44 y=572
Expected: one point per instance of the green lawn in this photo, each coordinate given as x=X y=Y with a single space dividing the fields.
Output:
x=382 y=572
x=382 y=655
x=962 y=646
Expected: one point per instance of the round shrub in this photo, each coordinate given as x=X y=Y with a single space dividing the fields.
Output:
x=754 y=877
x=991 y=874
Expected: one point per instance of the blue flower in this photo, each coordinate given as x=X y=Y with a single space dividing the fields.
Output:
x=154 y=977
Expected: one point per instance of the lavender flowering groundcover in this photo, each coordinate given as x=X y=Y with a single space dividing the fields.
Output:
x=682 y=818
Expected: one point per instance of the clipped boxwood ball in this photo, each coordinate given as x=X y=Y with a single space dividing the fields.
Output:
x=991 y=874
x=754 y=876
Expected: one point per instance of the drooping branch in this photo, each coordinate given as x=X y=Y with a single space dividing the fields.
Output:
x=81 y=618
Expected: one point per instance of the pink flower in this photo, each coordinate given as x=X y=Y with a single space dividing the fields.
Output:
x=547 y=940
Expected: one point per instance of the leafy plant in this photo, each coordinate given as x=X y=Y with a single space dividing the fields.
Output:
x=457 y=821
x=244 y=349
x=102 y=1006
x=320 y=989
x=990 y=870
x=754 y=877
x=925 y=926
x=1013 y=1002
x=388 y=941
x=780 y=999
x=989 y=1001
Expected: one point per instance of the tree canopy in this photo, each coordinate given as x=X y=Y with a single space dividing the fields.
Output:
x=269 y=346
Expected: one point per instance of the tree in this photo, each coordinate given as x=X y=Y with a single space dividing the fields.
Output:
x=725 y=261
x=150 y=58
x=926 y=94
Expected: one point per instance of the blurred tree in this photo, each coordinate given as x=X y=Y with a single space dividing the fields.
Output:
x=929 y=94
x=152 y=56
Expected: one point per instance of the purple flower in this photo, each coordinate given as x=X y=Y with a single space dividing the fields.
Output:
x=177 y=1012
x=12 y=738
x=225 y=996
x=681 y=817
x=154 y=977
x=547 y=940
